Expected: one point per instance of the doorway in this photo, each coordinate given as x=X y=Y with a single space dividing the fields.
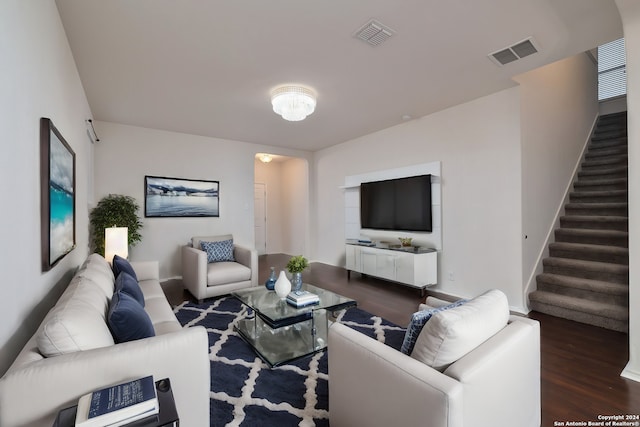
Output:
x=282 y=190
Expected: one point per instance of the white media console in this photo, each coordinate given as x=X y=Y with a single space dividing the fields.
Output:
x=415 y=267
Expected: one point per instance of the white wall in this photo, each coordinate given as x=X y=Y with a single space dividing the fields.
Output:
x=507 y=160
x=125 y=154
x=295 y=189
x=559 y=105
x=478 y=145
x=630 y=13
x=38 y=79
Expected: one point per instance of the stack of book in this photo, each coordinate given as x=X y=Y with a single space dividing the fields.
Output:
x=119 y=405
x=167 y=416
x=302 y=298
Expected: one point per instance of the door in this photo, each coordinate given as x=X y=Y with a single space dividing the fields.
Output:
x=260 y=217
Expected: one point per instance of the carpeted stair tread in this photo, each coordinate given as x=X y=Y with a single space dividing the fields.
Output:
x=599 y=209
x=596 y=286
x=611 y=142
x=620 y=115
x=616 y=273
x=585 y=306
x=597 y=196
x=605 y=160
x=617 y=171
x=604 y=163
x=614 y=171
x=611 y=124
x=595 y=222
x=601 y=184
x=606 y=151
x=590 y=252
x=607 y=134
x=593 y=290
x=592 y=236
x=595 y=313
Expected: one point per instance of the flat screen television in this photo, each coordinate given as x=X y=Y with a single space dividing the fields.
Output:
x=402 y=204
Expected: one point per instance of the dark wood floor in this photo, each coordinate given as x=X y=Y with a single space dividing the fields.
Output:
x=581 y=364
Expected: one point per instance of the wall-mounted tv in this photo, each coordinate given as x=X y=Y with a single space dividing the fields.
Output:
x=402 y=204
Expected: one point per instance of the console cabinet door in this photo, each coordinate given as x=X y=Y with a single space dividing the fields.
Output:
x=353 y=258
x=368 y=262
x=386 y=266
x=405 y=272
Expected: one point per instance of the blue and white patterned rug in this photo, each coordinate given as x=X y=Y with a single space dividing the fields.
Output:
x=246 y=392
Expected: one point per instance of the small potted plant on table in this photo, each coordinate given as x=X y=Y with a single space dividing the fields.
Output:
x=296 y=266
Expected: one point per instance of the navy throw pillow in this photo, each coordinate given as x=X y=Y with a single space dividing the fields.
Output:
x=130 y=286
x=418 y=320
x=120 y=264
x=127 y=319
x=218 y=251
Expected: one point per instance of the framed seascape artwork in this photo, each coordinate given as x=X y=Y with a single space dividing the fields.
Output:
x=178 y=197
x=57 y=195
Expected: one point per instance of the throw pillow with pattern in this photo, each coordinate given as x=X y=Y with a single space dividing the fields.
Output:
x=418 y=320
x=218 y=251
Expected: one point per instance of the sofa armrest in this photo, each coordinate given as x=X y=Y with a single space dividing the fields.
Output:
x=372 y=384
x=146 y=270
x=249 y=258
x=194 y=271
x=505 y=369
x=33 y=395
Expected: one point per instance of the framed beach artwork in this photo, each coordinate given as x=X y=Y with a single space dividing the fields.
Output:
x=180 y=197
x=57 y=195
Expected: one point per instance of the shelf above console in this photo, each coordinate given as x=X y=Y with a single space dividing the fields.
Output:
x=399 y=248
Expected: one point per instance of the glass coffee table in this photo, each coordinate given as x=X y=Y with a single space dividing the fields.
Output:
x=280 y=332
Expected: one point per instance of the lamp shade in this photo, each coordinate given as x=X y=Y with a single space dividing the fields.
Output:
x=116 y=242
x=293 y=103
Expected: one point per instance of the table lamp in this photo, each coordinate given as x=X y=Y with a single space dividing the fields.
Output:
x=116 y=242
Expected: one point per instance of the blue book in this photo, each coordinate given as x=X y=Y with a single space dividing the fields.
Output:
x=118 y=404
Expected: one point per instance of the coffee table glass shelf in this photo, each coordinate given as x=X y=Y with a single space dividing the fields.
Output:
x=279 y=332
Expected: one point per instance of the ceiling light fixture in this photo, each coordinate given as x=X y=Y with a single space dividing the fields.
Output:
x=265 y=158
x=292 y=102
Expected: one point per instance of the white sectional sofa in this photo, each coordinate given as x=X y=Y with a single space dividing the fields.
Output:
x=73 y=352
x=495 y=383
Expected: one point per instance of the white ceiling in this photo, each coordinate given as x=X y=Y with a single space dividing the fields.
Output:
x=206 y=67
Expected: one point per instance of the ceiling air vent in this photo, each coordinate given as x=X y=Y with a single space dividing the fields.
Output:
x=374 y=33
x=515 y=52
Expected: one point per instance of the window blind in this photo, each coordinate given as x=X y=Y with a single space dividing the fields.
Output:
x=612 y=77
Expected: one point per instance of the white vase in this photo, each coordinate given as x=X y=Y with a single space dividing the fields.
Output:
x=283 y=285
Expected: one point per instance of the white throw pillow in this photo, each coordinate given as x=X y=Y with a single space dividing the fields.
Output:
x=98 y=261
x=451 y=334
x=77 y=321
x=99 y=278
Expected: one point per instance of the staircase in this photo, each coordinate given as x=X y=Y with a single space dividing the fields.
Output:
x=586 y=276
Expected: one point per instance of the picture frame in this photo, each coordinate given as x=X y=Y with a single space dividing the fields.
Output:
x=57 y=195
x=180 y=197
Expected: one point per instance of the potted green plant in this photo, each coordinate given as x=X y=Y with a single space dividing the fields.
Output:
x=115 y=210
x=296 y=266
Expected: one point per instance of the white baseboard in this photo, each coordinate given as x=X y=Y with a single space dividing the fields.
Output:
x=630 y=373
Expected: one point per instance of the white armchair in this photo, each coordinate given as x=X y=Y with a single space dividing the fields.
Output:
x=496 y=384
x=208 y=279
